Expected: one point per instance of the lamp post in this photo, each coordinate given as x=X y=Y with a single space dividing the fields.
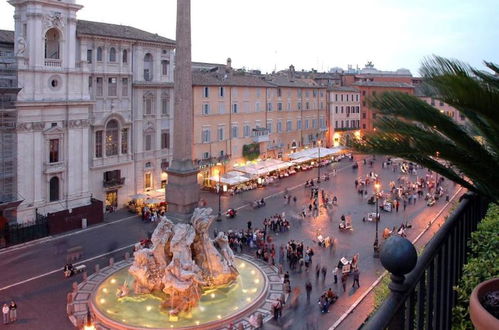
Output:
x=88 y=324
x=219 y=192
x=319 y=164
x=376 y=242
x=436 y=173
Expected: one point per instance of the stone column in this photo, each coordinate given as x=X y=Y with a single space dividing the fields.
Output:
x=182 y=191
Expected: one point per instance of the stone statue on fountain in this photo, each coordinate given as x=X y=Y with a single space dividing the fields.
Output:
x=183 y=261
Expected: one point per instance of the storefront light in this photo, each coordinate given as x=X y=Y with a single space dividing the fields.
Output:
x=225 y=188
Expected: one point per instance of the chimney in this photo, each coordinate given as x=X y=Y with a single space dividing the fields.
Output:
x=229 y=64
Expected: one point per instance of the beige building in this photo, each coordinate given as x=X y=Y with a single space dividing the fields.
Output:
x=239 y=116
x=344 y=110
x=440 y=105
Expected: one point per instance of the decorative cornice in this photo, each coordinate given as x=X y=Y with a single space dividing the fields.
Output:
x=30 y=127
x=78 y=123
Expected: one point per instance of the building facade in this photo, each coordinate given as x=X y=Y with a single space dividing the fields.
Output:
x=94 y=110
x=344 y=105
x=238 y=114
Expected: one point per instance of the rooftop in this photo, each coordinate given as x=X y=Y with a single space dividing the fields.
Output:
x=282 y=80
x=391 y=84
x=104 y=30
x=215 y=78
x=343 y=89
x=119 y=31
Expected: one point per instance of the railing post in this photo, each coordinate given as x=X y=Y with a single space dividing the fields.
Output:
x=399 y=257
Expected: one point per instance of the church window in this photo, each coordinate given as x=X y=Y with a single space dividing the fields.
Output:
x=112 y=54
x=112 y=130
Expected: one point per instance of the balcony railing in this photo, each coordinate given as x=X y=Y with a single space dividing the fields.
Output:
x=425 y=297
x=117 y=182
x=53 y=63
x=261 y=138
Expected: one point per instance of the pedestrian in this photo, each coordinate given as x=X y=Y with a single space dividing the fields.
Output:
x=317 y=271
x=324 y=272
x=308 y=289
x=356 y=278
x=275 y=306
x=249 y=225
x=12 y=311
x=397 y=203
x=5 y=313
x=344 y=282
x=335 y=274
x=405 y=204
x=294 y=199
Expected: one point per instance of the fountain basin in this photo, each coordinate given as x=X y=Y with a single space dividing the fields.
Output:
x=144 y=311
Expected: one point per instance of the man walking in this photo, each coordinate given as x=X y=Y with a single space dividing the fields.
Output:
x=324 y=272
x=308 y=289
x=344 y=282
x=356 y=278
x=335 y=274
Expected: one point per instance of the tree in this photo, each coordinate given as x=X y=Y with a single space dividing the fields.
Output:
x=416 y=131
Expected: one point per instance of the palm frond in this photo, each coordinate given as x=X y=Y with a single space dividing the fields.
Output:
x=414 y=130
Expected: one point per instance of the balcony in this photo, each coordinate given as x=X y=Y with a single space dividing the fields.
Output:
x=113 y=183
x=345 y=129
x=50 y=168
x=261 y=138
x=54 y=63
x=260 y=134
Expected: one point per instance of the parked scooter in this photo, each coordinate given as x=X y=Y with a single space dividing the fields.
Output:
x=259 y=203
x=70 y=270
x=230 y=213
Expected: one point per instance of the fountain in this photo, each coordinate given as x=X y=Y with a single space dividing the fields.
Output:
x=181 y=280
x=183 y=262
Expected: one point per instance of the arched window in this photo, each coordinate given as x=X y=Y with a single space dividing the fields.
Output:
x=52 y=47
x=99 y=54
x=112 y=131
x=112 y=55
x=125 y=56
x=148 y=62
x=54 y=189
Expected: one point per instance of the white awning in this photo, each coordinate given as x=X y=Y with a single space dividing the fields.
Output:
x=231 y=178
x=265 y=166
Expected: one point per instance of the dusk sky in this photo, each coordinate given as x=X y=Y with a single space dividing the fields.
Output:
x=320 y=34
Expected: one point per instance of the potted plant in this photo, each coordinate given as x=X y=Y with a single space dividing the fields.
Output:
x=484 y=305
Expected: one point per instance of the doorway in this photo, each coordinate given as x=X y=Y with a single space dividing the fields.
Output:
x=112 y=199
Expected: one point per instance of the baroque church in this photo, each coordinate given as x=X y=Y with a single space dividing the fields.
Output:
x=94 y=111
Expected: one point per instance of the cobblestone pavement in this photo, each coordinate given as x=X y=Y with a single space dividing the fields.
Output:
x=31 y=274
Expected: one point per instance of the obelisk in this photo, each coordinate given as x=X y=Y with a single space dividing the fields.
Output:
x=182 y=191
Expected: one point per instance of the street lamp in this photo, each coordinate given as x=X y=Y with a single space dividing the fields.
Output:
x=219 y=192
x=377 y=187
x=88 y=324
x=319 y=165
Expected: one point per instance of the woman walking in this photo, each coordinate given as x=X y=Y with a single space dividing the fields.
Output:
x=5 y=312
x=12 y=311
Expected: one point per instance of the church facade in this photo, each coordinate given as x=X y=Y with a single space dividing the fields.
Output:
x=94 y=111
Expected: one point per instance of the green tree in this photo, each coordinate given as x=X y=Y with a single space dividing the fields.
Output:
x=411 y=129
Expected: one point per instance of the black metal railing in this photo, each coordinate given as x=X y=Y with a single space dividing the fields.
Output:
x=114 y=182
x=15 y=233
x=425 y=298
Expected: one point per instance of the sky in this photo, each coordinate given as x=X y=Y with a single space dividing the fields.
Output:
x=320 y=34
